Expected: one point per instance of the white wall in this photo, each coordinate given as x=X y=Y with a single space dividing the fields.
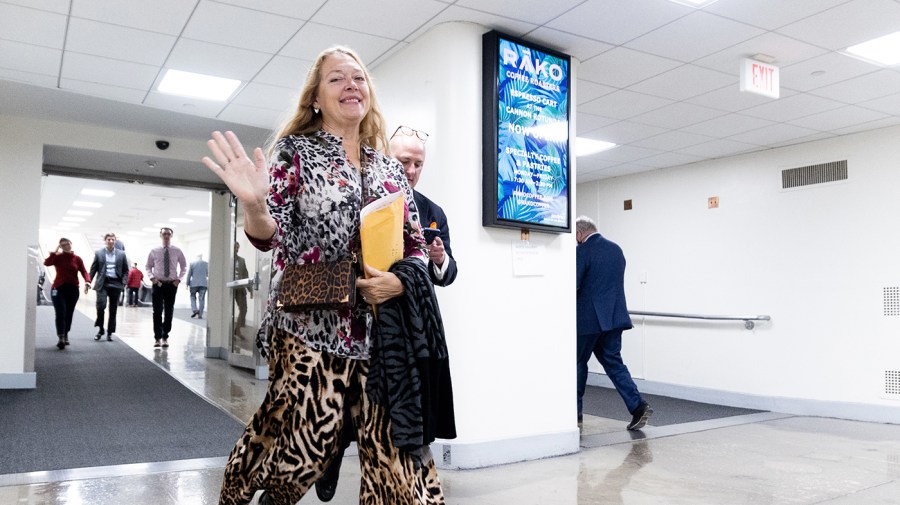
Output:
x=817 y=259
x=511 y=339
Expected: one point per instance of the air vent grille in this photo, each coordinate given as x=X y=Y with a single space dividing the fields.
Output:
x=814 y=174
x=892 y=383
x=892 y=301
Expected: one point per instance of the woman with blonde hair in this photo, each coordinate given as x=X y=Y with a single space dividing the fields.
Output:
x=324 y=165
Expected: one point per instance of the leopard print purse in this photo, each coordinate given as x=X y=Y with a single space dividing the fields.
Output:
x=318 y=286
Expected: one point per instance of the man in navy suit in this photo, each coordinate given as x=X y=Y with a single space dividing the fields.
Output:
x=602 y=316
x=408 y=146
x=109 y=272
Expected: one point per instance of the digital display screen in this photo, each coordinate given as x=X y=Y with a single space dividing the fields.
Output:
x=526 y=136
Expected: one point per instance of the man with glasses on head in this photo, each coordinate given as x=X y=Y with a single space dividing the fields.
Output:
x=408 y=147
x=165 y=268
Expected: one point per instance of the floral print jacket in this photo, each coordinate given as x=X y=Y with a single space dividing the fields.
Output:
x=315 y=197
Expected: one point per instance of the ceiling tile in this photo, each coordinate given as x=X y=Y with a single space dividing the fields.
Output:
x=265 y=96
x=585 y=122
x=785 y=50
x=285 y=72
x=162 y=16
x=125 y=74
x=623 y=104
x=47 y=81
x=732 y=99
x=29 y=58
x=382 y=21
x=103 y=91
x=140 y=46
x=212 y=59
x=242 y=114
x=625 y=132
x=622 y=67
x=624 y=154
x=847 y=24
x=718 y=148
x=531 y=11
x=775 y=133
x=792 y=107
x=57 y=6
x=838 y=118
x=865 y=87
x=453 y=13
x=616 y=22
x=677 y=115
x=828 y=69
x=769 y=14
x=684 y=82
x=725 y=126
x=672 y=140
x=313 y=38
x=669 y=160
x=579 y=48
x=889 y=104
x=184 y=105
x=219 y=24
x=801 y=140
x=694 y=36
x=873 y=125
x=586 y=91
x=289 y=8
x=32 y=26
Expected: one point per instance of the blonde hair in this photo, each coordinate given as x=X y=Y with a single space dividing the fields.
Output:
x=306 y=121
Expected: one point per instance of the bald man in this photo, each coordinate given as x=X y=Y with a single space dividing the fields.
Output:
x=408 y=147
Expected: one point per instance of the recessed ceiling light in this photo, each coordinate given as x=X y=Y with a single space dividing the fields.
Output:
x=79 y=213
x=881 y=51
x=180 y=220
x=694 y=3
x=189 y=84
x=93 y=205
x=586 y=147
x=97 y=192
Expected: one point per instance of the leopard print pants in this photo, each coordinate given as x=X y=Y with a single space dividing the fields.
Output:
x=295 y=433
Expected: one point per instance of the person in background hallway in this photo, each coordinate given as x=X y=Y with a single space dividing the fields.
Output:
x=326 y=370
x=109 y=272
x=135 y=276
x=602 y=315
x=64 y=291
x=408 y=147
x=165 y=268
x=197 y=281
x=240 y=293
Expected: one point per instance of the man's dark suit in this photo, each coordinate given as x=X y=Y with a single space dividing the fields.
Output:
x=430 y=212
x=603 y=315
x=108 y=288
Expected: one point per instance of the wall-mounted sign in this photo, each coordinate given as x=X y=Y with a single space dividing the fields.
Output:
x=525 y=143
x=760 y=78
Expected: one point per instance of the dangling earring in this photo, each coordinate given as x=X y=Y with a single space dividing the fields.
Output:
x=315 y=110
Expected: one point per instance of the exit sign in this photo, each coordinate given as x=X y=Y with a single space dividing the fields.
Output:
x=760 y=78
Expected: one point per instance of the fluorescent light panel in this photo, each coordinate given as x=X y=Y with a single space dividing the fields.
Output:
x=882 y=51
x=587 y=147
x=191 y=85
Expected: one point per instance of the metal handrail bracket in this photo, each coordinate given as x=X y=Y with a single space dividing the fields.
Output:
x=748 y=320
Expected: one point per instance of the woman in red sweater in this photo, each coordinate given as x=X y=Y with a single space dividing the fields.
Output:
x=65 y=287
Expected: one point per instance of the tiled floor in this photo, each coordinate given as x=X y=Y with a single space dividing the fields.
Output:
x=757 y=459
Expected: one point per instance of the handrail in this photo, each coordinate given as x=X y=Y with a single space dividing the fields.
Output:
x=748 y=320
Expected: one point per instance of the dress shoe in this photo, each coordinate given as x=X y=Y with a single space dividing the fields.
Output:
x=640 y=416
x=109 y=337
x=194 y=314
x=157 y=344
x=165 y=343
x=62 y=343
x=66 y=339
x=327 y=483
x=99 y=335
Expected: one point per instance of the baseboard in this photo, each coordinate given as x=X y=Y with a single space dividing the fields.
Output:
x=25 y=380
x=464 y=456
x=889 y=414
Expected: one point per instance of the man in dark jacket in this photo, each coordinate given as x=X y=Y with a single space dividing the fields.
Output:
x=602 y=316
x=109 y=272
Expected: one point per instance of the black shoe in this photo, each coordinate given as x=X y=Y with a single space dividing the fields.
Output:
x=61 y=344
x=157 y=343
x=99 y=335
x=327 y=483
x=165 y=343
x=109 y=337
x=265 y=499
x=66 y=339
x=640 y=416
x=194 y=314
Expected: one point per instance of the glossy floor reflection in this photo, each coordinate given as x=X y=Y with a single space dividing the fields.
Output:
x=761 y=459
